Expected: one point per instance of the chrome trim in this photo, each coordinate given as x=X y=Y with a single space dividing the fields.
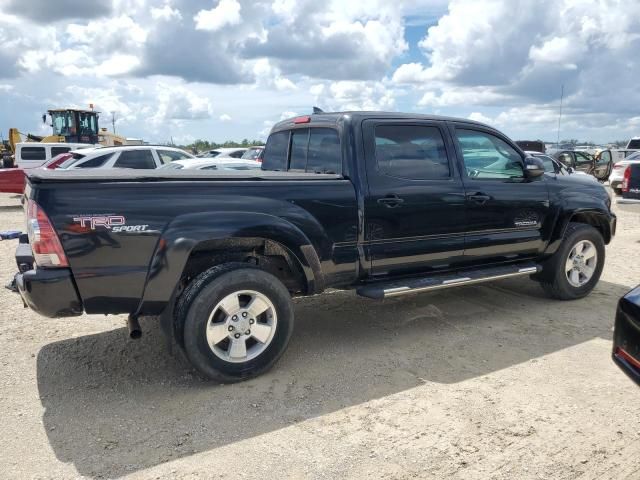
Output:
x=397 y=291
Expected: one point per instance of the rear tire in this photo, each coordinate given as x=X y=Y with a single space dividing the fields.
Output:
x=574 y=270
x=236 y=321
x=617 y=191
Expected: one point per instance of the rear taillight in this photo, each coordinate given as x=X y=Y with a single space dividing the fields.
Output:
x=45 y=244
x=622 y=354
x=626 y=180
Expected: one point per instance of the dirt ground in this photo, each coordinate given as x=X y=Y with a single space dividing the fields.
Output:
x=482 y=382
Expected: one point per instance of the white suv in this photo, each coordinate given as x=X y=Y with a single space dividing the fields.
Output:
x=126 y=156
x=617 y=173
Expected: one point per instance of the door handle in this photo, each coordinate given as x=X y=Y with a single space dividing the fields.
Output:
x=391 y=201
x=479 y=197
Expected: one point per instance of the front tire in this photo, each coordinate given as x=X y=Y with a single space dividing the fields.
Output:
x=236 y=321
x=574 y=270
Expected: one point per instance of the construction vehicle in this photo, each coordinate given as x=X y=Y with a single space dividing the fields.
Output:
x=69 y=125
x=80 y=126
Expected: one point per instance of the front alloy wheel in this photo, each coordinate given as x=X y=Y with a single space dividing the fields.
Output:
x=581 y=263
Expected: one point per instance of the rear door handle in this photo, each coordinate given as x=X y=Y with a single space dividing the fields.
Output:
x=479 y=197
x=391 y=201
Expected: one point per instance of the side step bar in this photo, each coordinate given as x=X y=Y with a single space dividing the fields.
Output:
x=381 y=290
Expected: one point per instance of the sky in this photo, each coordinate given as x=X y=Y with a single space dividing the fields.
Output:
x=229 y=69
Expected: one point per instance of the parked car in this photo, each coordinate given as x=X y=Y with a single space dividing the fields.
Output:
x=214 y=164
x=551 y=165
x=537 y=146
x=140 y=157
x=13 y=180
x=626 y=335
x=224 y=152
x=617 y=173
x=634 y=143
x=631 y=182
x=404 y=203
x=579 y=161
x=254 y=153
x=34 y=154
x=598 y=166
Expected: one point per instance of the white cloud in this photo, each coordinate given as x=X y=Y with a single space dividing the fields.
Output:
x=225 y=117
x=227 y=12
x=354 y=95
x=165 y=13
x=479 y=117
x=102 y=35
x=268 y=75
x=180 y=103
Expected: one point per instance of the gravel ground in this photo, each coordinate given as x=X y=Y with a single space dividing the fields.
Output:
x=492 y=381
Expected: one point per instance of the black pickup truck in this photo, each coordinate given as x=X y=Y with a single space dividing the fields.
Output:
x=387 y=204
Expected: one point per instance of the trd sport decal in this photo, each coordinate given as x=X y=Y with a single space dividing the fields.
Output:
x=115 y=223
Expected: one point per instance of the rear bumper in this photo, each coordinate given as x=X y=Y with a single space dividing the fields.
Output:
x=50 y=292
x=626 y=335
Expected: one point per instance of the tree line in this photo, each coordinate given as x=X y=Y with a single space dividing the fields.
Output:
x=204 y=145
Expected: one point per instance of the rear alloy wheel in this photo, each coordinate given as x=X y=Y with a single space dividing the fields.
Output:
x=236 y=321
x=241 y=326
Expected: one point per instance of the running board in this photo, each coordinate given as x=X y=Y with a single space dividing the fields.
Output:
x=381 y=290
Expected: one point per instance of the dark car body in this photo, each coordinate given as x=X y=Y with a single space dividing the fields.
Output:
x=131 y=237
x=626 y=335
x=631 y=182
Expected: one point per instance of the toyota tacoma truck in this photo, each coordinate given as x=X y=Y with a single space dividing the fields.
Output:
x=386 y=204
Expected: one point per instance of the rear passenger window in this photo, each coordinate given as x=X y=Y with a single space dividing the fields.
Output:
x=139 y=159
x=299 y=142
x=95 y=162
x=411 y=151
x=324 y=151
x=33 y=153
x=275 y=151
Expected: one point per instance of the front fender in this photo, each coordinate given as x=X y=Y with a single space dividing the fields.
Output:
x=186 y=232
x=601 y=218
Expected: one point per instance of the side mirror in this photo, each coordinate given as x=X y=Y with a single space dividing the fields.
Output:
x=533 y=167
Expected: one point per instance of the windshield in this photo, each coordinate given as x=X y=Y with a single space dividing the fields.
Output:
x=88 y=123
x=251 y=154
x=634 y=156
x=63 y=123
x=634 y=143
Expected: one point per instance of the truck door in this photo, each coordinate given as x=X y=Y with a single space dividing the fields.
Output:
x=415 y=209
x=508 y=216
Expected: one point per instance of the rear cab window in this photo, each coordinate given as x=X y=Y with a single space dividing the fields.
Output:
x=311 y=150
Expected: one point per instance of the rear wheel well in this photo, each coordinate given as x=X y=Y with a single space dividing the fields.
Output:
x=596 y=220
x=269 y=255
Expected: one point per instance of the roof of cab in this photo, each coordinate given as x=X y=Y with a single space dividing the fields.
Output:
x=335 y=117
